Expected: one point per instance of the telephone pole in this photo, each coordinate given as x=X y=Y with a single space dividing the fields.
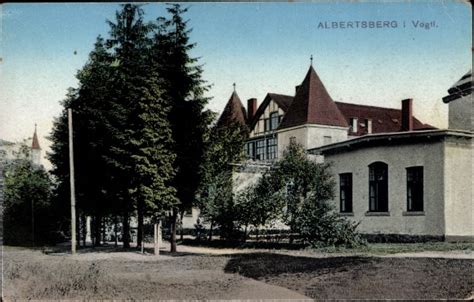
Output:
x=71 y=178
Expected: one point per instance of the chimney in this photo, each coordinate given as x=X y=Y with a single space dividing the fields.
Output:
x=407 y=115
x=296 y=88
x=251 y=108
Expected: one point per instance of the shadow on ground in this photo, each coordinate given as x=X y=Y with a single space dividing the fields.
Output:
x=262 y=265
x=359 y=277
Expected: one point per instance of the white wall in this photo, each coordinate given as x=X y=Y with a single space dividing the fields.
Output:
x=398 y=158
x=310 y=136
x=459 y=213
x=461 y=113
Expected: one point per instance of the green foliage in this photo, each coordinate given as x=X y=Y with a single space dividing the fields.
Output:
x=299 y=190
x=217 y=202
x=28 y=216
x=184 y=87
x=122 y=135
x=319 y=225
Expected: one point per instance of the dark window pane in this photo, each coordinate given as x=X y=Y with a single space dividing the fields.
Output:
x=378 y=187
x=345 y=181
x=415 y=189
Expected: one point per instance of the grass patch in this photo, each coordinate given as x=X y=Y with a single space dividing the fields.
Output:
x=370 y=248
x=394 y=248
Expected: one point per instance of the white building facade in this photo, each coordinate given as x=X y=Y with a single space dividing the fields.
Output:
x=395 y=175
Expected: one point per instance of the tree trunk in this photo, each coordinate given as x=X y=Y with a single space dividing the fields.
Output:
x=173 y=231
x=97 y=233
x=84 y=229
x=116 y=230
x=78 y=230
x=210 y=230
x=103 y=228
x=140 y=224
x=245 y=233
x=182 y=230
x=126 y=230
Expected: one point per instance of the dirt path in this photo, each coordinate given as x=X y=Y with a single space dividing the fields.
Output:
x=202 y=273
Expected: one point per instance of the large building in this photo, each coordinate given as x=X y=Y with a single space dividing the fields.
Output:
x=312 y=119
x=395 y=175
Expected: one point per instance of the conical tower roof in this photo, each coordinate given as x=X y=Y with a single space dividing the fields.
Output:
x=234 y=112
x=313 y=105
x=35 y=143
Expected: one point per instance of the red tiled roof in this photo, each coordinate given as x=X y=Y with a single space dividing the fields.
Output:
x=234 y=112
x=35 y=143
x=383 y=119
x=312 y=105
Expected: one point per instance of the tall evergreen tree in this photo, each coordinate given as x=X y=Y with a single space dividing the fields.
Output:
x=185 y=88
x=88 y=103
x=120 y=129
x=143 y=135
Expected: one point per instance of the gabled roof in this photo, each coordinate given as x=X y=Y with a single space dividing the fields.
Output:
x=461 y=88
x=283 y=101
x=234 y=112
x=35 y=143
x=312 y=105
x=383 y=119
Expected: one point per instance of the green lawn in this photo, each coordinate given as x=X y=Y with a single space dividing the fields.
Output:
x=392 y=248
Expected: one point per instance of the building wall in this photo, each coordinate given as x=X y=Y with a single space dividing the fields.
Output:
x=398 y=158
x=461 y=113
x=459 y=211
x=311 y=136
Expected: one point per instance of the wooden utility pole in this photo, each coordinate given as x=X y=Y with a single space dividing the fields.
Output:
x=71 y=178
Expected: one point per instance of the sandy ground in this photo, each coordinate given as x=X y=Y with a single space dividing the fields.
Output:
x=207 y=273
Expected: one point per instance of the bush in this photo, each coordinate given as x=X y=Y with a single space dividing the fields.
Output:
x=319 y=225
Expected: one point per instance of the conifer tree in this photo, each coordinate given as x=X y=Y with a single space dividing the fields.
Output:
x=142 y=149
x=185 y=88
x=120 y=128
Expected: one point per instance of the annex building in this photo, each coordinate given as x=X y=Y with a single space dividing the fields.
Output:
x=395 y=174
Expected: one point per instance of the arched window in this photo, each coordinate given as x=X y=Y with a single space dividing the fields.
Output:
x=378 y=187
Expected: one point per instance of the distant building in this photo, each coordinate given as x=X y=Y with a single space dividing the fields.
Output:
x=10 y=151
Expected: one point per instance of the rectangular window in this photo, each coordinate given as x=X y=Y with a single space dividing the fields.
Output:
x=260 y=150
x=188 y=212
x=327 y=140
x=267 y=124
x=272 y=148
x=415 y=189
x=273 y=120
x=368 y=125
x=292 y=140
x=378 y=187
x=345 y=186
x=251 y=150
x=353 y=124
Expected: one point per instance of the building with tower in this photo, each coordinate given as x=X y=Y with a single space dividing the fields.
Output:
x=395 y=174
x=10 y=151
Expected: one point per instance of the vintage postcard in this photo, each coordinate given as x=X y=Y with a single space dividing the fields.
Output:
x=237 y=150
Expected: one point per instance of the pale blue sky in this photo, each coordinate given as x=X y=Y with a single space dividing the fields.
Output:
x=263 y=47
